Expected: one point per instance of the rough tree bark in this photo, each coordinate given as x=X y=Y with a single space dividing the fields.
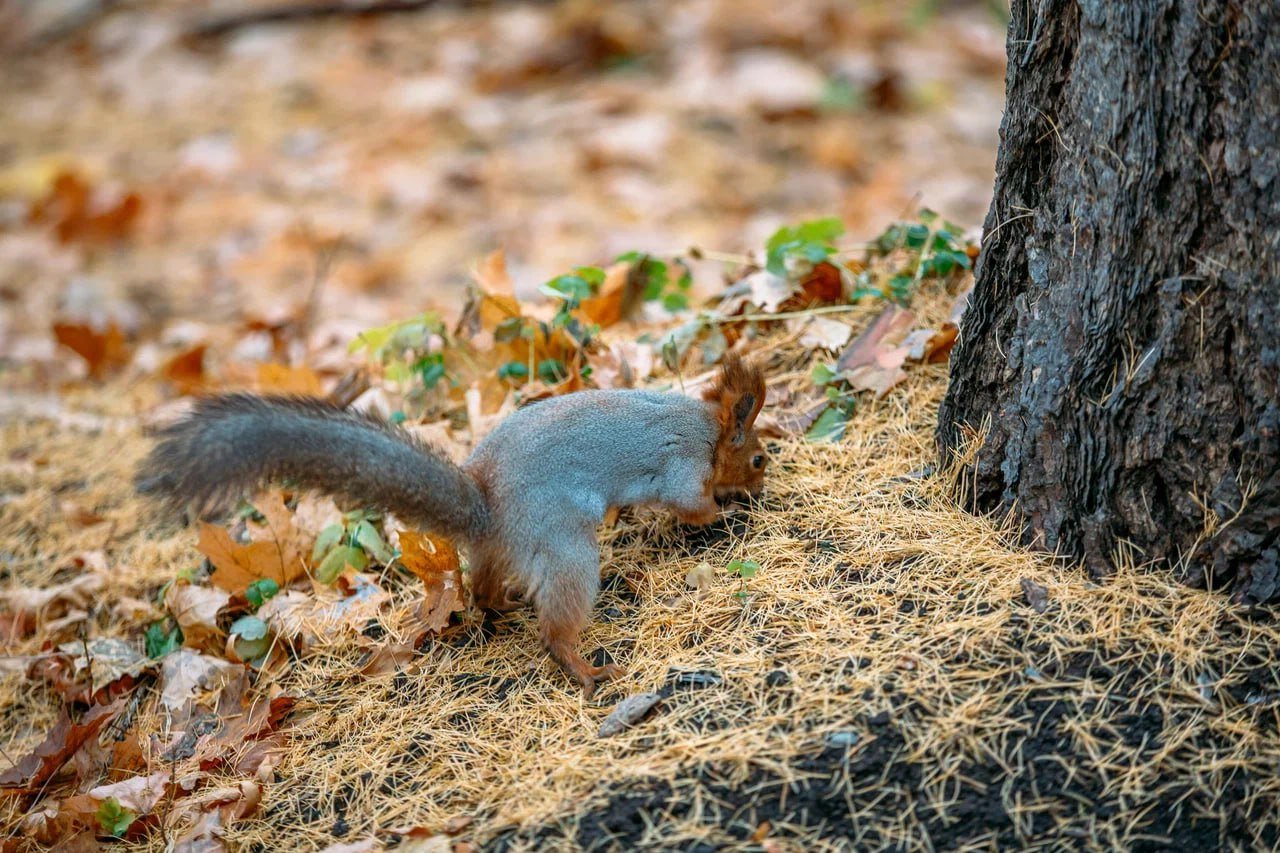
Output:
x=1122 y=346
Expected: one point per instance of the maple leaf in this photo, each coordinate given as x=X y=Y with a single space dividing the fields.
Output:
x=195 y=609
x=38 y=766
x=185 y=371
x=103 y=349
x=186 y=672
x=435 y=562
x=273 y=378
x=276 y=552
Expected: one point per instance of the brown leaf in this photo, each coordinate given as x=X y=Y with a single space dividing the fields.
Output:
x=77 y=592
x=195 y=609
x=138 y=794
x=873 y=362
x=823 y=284
x=77 y=212
x=186 y=672
x=76 y=514
x=103 y=350
x=387 y=658
x=185 y=371
x=109 y=659
x=435 y=562
x=37 y=767
x=304 y=620
x=617 y=297
x=276 y=552
x=276 y=378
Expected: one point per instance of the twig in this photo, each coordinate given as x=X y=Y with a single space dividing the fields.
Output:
x=785 y=315
x=220 y=25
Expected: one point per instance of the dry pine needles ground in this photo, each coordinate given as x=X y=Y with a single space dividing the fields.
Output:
x=883 y=681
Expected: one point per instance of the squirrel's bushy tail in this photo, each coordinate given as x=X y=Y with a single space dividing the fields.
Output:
x=230 y=445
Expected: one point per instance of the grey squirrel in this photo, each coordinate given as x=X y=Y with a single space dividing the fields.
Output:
x=525 y=505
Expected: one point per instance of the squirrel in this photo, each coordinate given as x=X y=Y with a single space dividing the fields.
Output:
x=524 y=505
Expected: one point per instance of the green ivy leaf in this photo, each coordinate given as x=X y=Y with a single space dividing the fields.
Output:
x=822 y=374
x=328 y=537
x=514 y=370
x=114 y=818
x=252 y=638
x=830 y=425
x=162 y=638
x=367 y=537
x=338 y=559
x=552 y=371
x=261 y=591
x=744 y=569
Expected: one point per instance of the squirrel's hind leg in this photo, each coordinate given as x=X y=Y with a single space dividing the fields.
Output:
x=563 y=603
x=492 y=584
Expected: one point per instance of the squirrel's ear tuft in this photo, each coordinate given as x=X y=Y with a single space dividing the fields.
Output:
x=738 y=393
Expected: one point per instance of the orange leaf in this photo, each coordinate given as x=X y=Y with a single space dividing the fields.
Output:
x=616 y=296
x=104 y=351
x=276 y=553
x=435 y=561
x=186 y=370
x=283 y=379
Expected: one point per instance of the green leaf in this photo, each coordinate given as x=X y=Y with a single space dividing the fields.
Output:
x=252 y=638
x=162 y=638
x=516 y=370
x=338 y=559
x=261 y=591
x=398 y=417
x=830 y=425
x=114 y=818
x=744 y=568
x=840 y=95
x=249 y=627
x=431 y=369
x=552 y=371
x=328 y=537
x=812 y=240
x=367 y=537
x=675 y=301
x=822 y=374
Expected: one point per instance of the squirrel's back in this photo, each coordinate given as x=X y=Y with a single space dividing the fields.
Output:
x=587 y=451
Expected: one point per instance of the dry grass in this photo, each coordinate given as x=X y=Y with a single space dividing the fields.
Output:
x=876 y=594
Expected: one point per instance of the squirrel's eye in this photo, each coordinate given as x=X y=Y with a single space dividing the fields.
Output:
x=757 y=461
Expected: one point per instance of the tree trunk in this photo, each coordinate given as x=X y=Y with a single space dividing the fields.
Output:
x=1122 y=345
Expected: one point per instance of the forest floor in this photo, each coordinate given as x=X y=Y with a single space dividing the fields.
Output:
x=849 y=661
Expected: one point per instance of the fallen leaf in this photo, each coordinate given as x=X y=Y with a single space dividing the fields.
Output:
x=304 y=620
x=77 y=592
x=930 y=345
x=276 y=378
x=195 y=609
x=435 y=562
x=1036 y=595
x=275 y=553
x=873 y=362
x=186 y=672
x=388 y=658
x=768 y=291
x=823 y=284
x=618 y=296
x=185 y=371
x=138 y=794
x=108 y=659
x=104 y=350
x=628 y=712
x=37 y=767
x=824 y=333
x=700 y=577
x=77 y=211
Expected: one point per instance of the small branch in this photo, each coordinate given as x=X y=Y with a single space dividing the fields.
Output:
x=220 y=25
